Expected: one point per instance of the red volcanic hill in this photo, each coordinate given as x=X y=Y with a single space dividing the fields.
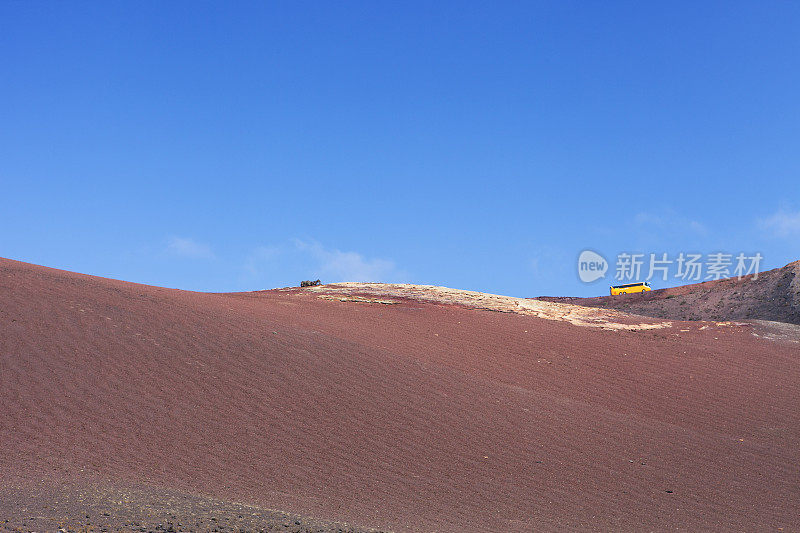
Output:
x=404 y=408
x=773 y=295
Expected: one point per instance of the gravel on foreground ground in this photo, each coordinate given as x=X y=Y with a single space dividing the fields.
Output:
x=41 y=508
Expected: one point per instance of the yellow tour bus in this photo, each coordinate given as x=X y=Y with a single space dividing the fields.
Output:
x=629 y=288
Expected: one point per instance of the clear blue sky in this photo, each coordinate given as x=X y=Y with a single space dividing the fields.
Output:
x=481 y=145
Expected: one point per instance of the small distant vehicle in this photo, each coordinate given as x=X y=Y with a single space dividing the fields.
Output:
x=629 y=288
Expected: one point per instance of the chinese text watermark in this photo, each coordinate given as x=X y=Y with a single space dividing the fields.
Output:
x=683 y=266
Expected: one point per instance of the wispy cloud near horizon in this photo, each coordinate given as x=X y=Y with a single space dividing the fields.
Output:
x=669 y=220
x=186 y=247
x=781 y=223
x=258 y=256
x=349 y=266
x=316 y=260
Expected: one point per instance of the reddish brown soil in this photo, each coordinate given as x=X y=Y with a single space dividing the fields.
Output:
x=412 y=416
x=774 y=295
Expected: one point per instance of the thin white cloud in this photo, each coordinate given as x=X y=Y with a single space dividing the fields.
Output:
x=335 y=265
x=310 y=260
x=782 y=224
x=534 y=265
x=669 y=220
x=546 y=261
x=259 y=256
x=185 y=247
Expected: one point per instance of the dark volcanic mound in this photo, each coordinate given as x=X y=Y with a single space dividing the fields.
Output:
x=774 y=295
x=140 y=406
